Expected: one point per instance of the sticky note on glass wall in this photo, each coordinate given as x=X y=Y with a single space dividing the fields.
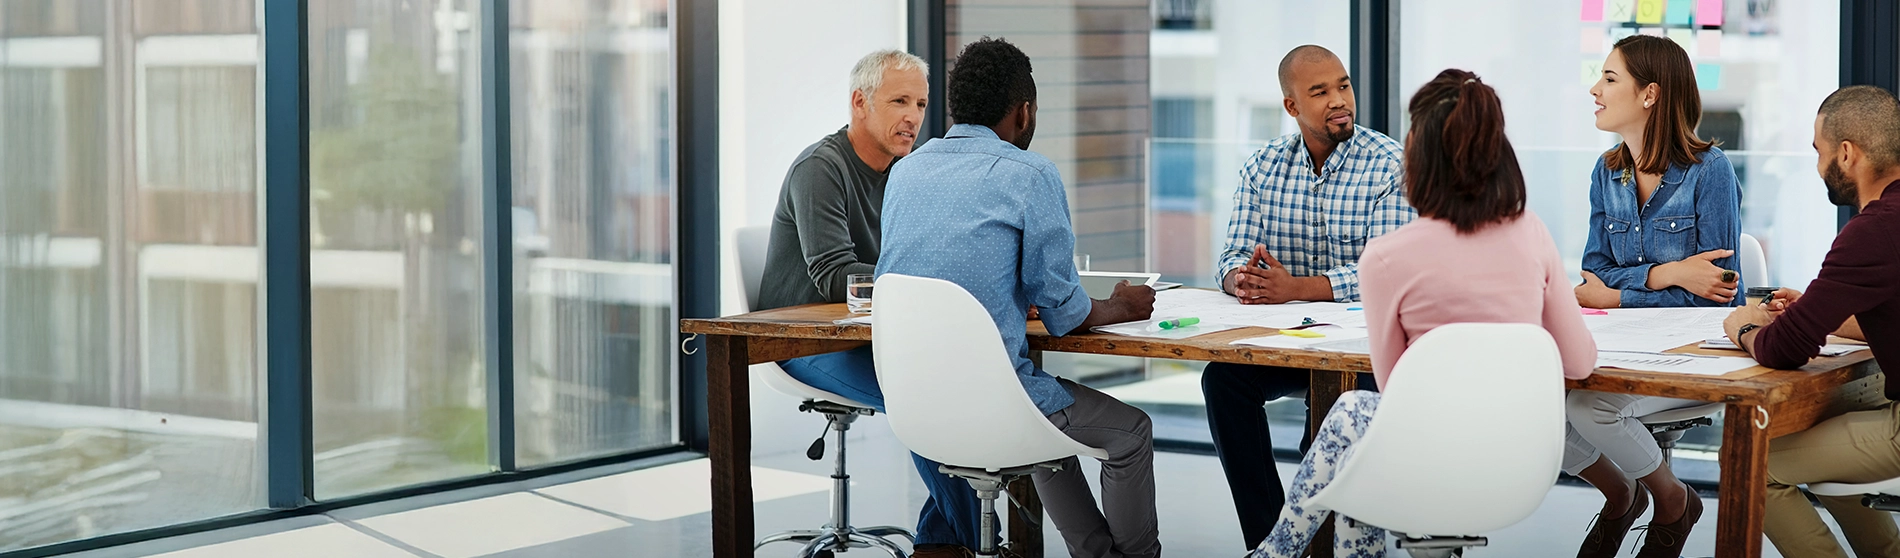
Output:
x=1708 y=77
x=1708 y=12
x=1619 y=11
x=1593 y=10
x=1618 y=33
x=1708 y=43
x=1678 y=12
x=1592 y=40
x=1592 y=71
x=1650 y=11
x=1684 y=38
x=1654 y=31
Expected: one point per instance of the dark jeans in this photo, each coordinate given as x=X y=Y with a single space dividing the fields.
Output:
x=1236 y=395
x=949 y=515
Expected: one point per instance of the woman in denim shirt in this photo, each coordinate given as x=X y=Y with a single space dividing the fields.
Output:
x=1665 y=218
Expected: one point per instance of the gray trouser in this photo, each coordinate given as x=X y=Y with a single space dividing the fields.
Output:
x=1605 y=424
x=1125 y=526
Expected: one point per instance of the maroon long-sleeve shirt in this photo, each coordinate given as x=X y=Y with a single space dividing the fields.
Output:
x=1860 y=277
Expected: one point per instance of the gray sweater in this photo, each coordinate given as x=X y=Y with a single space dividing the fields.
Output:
x=825 y=227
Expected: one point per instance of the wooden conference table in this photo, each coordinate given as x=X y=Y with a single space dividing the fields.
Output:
x=1762 y=404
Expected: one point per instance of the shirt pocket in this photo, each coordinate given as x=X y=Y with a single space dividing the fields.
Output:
x=1622 y=242
x=1672 y=238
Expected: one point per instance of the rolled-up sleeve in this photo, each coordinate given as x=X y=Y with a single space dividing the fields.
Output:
x=1048 y=266
x=1857 y=274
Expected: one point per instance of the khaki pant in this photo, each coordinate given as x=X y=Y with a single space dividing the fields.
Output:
x=1857 y=447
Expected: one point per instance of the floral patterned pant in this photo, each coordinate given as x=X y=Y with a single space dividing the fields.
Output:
x=1298 y=523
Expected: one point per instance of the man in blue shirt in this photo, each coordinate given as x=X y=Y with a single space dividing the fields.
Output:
x=978 y=209
x=1305 y=207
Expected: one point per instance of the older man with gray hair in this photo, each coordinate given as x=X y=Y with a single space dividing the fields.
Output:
x=826 y=228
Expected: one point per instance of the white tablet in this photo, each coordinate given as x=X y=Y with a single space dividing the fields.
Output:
x=1101 y=284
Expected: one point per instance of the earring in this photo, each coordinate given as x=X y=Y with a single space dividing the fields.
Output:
x=1645 y=105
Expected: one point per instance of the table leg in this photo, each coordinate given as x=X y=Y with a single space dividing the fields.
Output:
x=1025 y=537
x=1323 y=390
x=1744 y=483
x=728 y=409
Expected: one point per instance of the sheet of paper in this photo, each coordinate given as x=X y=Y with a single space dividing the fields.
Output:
x=1216 y=307
x=1655 y=329
x=1152 y=328
x=1674 y=364
x=1829 y=350
x=1335 y=337
x=1650 y=11
x=1678 y=12
x=1708 y=12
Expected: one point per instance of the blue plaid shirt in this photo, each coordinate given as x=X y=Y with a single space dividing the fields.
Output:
x=1317 y=224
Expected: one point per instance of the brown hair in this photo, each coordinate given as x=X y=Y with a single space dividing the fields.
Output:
x=1459 y=166
x=1669 y=135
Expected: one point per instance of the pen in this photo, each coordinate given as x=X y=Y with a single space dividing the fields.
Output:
x=1179 y=323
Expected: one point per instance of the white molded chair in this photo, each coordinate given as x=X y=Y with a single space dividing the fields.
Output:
x=838 y=535
x=1754 y=262
x=1669 y=426
x=1881 y=495
x=1436 y=434
x=951 y=392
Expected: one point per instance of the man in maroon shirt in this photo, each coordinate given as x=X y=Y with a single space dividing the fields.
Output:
x=1857 y=295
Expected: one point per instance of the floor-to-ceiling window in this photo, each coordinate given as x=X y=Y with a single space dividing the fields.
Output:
x=591 y=84
x=128 y=234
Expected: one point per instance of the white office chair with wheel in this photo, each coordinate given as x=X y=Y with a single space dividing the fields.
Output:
x=952 y=395
x=1880 y=495
x=1669 y=426
x=838 y=535
x=1430 y=467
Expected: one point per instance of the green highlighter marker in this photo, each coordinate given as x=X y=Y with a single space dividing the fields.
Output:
x=1179 y=323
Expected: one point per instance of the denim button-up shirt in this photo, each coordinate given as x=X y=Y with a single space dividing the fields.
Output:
x=1696 y=209
x=974 y=210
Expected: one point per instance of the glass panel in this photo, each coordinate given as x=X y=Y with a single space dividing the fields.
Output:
x=395 y=233
x=591 y=89
x=1763 y=68
x=128 y=267
x=1216 y=100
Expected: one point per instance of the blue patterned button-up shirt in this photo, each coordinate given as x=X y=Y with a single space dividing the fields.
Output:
x=1317 y=224
x=974 y=210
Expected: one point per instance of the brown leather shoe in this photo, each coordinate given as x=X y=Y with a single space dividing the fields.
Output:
x=1606 y=535
x=1666 y=541
x=942 y=551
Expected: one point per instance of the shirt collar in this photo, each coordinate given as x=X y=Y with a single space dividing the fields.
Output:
x=972 y=131
x=1334 y=160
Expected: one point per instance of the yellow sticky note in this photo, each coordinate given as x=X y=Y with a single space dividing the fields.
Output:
x=1619 y=11
x=1684 y=38
x=1302 y=333
x=1592 y=71
x=1650 y=11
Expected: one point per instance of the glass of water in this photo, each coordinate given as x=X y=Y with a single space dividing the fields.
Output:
x=857 y=292
x=1082 y=262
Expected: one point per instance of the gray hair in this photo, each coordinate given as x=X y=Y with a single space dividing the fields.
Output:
x=868 y=75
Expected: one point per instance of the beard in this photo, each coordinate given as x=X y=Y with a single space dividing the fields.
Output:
x=1841 y=190
x=1339 y=135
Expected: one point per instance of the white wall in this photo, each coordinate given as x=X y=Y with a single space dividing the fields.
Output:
x=783 y=83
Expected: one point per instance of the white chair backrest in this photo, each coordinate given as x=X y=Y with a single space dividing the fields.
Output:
x=1754 y=262
x=752 y=244
x=1468 y=437
x=950 y=388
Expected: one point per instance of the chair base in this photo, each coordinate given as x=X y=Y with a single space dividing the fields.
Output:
x=826 y=542
x=838 y=535
x=988 y=485
x=1439 y=547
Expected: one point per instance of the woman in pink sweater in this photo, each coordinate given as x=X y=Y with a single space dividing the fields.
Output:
x=1473 y=255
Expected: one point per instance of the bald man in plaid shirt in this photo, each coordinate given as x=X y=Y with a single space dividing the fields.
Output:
x=1305 y=207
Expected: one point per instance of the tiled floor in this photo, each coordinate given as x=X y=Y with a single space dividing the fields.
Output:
x=659 y=510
